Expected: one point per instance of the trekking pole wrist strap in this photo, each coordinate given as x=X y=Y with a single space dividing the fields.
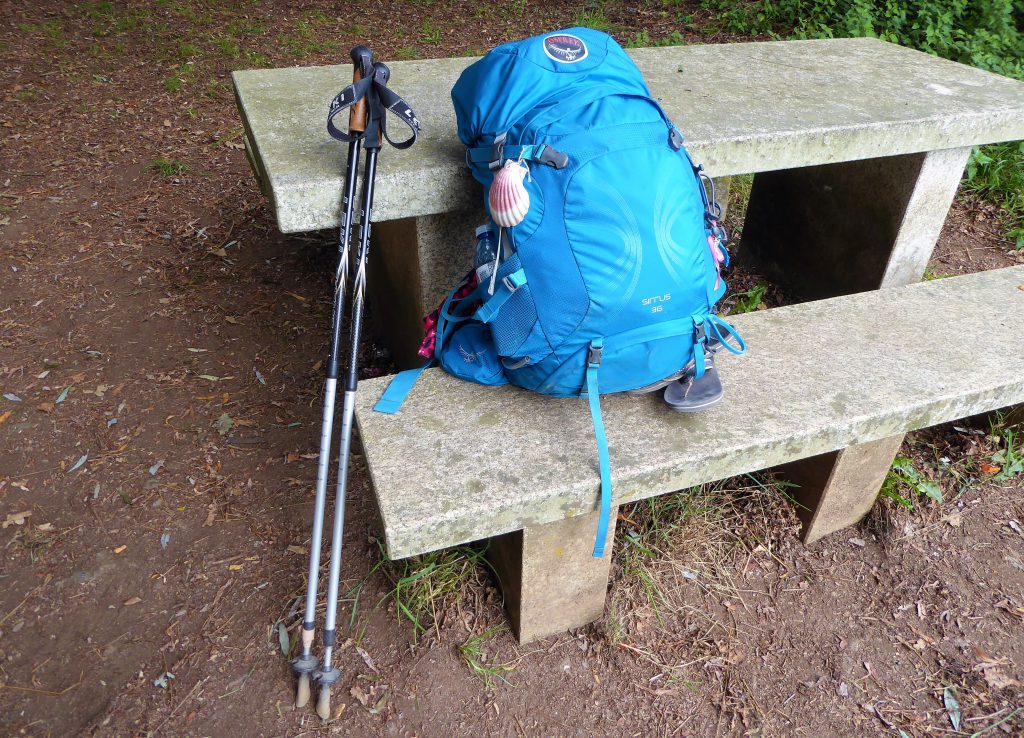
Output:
x=380 y=100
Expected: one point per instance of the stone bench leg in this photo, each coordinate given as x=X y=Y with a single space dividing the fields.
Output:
x=550 y=580
x=414 y=263
x=842 y=228
x=837 y=489
x=834 y=230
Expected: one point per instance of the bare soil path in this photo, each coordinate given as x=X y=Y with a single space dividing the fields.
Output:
x=162 y=344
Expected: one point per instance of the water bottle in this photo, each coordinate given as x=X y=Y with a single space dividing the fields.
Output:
x=486 y=251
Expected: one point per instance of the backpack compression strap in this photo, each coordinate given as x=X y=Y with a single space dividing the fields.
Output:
x=604 y=462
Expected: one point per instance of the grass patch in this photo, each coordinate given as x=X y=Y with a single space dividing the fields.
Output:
x=167 y=167
x=406 y=53
x=593 y=18
x=425 y=586
x=642 y=39
x=227 y=46
x=490 y=672
x=430 y=33
x=677 y=557
x=51 y=30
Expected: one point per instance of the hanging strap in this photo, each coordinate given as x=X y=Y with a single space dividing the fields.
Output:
x=399 y=387
x=604 y=462
x=391 y=401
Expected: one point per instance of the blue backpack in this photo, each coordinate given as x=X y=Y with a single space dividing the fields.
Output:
x=609 y=281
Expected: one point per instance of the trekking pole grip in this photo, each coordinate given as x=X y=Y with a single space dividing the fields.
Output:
x=362 y=66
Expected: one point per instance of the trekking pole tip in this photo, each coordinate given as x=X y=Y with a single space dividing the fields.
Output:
x=302 y=693
x=323 y=703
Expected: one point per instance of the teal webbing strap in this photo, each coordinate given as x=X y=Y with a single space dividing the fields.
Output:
x=505 y=288
x=700 y=342
x=604 y=462
x=717 y=324
x=483 y=154
x=393 y=397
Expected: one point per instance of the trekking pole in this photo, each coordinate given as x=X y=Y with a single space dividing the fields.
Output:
x=306 y=664
x=329 y=675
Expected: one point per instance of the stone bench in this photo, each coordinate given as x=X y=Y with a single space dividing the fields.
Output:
x=857 y=146
x=462 y=462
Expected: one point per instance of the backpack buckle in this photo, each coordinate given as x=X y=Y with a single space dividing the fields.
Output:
x=675 y=139
x=497 y=151
x=553 y=157
x=594 y=355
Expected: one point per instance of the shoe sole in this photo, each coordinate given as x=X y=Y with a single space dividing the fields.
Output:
x=697 y=408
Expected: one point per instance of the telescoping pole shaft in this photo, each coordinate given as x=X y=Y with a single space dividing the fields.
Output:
x=328 y=674
x=306 y=664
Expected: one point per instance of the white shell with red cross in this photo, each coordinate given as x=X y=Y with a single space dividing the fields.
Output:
x=508 y=199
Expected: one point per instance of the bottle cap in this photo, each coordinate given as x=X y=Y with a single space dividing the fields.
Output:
x=485 y=228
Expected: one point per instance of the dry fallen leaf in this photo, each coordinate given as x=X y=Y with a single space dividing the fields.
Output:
x=235 y=567
x=16 y=518
x=231 y=320
x=132 y=601
x=301 y=550
x=998 y=680
x=120 y=549
x=4 y=417
x=359 y=694
x=987 y=468
x=45 y=407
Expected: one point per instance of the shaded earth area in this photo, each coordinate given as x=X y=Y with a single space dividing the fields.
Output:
x=164 y=346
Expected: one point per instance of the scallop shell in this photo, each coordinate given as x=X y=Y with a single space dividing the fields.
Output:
x=508 y=199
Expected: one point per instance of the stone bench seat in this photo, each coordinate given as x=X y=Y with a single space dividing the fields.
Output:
x=462 y=462
x=857 y=146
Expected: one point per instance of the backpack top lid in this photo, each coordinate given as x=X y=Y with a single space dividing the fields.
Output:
x=495 y=92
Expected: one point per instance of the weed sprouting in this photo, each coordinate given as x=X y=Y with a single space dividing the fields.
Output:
x=751 y=300
x=430 y=33
x=1009 y=456
x=904 y=484
x=473 y=654
x=168 y=167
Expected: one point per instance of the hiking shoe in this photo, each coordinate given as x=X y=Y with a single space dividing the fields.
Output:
x=655 y=386
x=712 y=348
x=689 y=395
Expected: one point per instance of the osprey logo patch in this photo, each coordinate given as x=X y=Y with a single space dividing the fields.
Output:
x=468 y=356
x=565 y=48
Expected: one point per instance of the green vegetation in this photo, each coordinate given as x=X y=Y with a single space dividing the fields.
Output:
x=751 y=300
x=1008 y=457
x=593 y=18
x=427 y=584
x=473 y=654
x=168 y=167
x=904 y=484
x=430 y=33
x=52 y=30
x=983 y=33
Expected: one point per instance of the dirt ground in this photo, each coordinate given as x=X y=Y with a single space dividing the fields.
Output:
x=160 y=360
